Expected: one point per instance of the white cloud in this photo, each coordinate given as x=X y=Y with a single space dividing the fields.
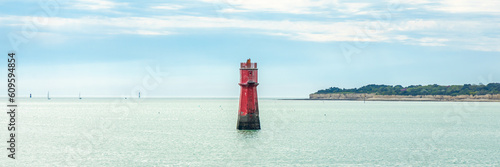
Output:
x=168 y=7
x=414 y=32
x=284 y=6
x=466 y=6
x=97 y=4
x=353 y=8
x=431 y=41
x=146 y=32
x=298 y=30
x=231 y=10
x=289 y=6
x=401 y=37
x=458 y=6
x=413 y=25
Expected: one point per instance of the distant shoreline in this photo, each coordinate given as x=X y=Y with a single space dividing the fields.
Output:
x=390 y=100
x=374 y=97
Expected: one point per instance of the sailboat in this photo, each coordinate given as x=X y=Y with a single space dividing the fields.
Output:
x=48 y=97
x=79 y=95
x=30 y=95
x=139 y=95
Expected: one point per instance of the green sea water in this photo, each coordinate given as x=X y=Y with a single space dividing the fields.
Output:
x=202 y=132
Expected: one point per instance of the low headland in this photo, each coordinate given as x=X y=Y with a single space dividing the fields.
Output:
x=466 y=93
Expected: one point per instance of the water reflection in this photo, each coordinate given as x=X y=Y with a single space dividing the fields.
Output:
x=248 y=134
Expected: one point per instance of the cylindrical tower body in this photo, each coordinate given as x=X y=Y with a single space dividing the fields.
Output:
x=248 y=113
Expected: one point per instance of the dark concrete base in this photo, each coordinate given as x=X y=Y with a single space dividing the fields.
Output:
x=248 y=122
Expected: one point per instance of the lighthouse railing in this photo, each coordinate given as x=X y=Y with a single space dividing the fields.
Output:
x=248 y=65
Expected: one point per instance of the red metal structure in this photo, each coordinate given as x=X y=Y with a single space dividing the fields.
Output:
x=248 y=113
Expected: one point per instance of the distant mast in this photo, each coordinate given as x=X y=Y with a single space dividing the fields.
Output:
x=139 y=95
x=79 y=95
x=48 y=95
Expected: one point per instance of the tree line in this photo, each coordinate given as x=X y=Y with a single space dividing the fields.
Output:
x=453 y=90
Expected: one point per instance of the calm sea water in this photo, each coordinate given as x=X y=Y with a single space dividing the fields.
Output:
x=202 y=132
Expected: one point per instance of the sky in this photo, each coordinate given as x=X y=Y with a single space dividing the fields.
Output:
x=192 y=48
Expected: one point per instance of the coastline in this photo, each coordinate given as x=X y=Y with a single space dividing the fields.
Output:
x=374 y=97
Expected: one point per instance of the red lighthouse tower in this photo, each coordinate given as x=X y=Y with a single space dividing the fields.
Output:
x=248 y=113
